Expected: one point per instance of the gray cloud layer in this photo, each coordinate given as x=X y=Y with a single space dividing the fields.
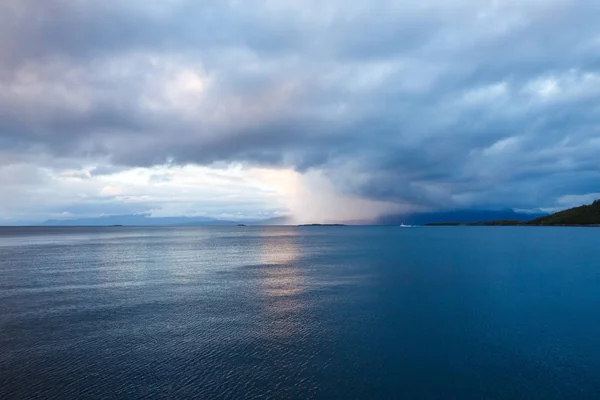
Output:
x=440 y=104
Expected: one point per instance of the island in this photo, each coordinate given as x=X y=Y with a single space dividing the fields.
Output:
x=586 y=215
x=323 y=225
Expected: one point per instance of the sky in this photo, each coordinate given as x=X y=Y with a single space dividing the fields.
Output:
x=324 y=110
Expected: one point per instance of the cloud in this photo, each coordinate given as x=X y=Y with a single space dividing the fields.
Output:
x=432 y=105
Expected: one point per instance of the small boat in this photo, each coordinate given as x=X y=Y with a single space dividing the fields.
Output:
x=406 y=226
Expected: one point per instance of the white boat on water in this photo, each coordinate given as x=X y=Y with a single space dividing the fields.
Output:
x=406 y=226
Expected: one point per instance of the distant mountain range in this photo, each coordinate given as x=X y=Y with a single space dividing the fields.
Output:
x=410 y=219
x=452 y=216
x=148 y=220
x=138 y=220
x=586 y=215
x=583 y=215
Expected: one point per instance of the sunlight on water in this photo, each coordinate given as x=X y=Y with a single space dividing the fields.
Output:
x=282 y=283
x=281 y=276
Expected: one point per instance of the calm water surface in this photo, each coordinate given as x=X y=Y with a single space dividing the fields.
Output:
x=311 y=312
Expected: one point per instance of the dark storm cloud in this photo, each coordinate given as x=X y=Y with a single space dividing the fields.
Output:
x=441 y=104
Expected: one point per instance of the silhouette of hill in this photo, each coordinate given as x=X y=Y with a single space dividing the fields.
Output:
x=587 y=215
x=582 y=215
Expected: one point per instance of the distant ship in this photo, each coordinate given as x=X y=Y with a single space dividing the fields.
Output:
x=406 y=226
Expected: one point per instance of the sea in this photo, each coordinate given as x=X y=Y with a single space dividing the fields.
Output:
x=329 y=312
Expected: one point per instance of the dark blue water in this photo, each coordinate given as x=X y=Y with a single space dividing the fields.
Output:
x=314 y=312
